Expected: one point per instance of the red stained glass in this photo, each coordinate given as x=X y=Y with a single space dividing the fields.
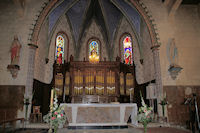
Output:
x=59 y=49
x=128 y=55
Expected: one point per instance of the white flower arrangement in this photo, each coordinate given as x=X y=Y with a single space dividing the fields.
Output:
x=57 y=117
x=145 y=114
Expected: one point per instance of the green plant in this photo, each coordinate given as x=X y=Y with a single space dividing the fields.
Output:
x=163 y=102
x=145 y=114
x=56 y=118
x=26 y=103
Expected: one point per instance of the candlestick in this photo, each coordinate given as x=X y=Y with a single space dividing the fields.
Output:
x=51 y=109
x=51 y=102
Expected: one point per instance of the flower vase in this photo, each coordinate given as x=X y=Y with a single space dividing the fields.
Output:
x=145 y=127
x=55 y=129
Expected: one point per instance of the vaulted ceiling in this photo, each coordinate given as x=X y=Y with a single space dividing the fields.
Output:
x=107 y=14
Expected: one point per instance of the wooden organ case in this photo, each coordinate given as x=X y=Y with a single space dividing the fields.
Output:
x=100 y=82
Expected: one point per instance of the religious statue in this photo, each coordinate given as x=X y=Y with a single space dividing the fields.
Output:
x=93 y=52
x=15 y=51
x=172 y=53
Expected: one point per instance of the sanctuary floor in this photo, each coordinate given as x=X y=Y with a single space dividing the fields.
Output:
x=129 y=130
x=152 y=128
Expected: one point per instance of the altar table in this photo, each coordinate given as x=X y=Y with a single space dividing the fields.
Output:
x=100 y=114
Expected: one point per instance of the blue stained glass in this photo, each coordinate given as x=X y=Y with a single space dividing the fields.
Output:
x=94 y=51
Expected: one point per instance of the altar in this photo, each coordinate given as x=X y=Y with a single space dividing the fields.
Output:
x=95 y=94
x=101 y=114
x=86 y=82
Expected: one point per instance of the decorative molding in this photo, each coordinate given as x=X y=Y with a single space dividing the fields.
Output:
x=142 y=9
x=174 y=70
x=13 y=70
x=32 y=45
x=40 y=20
x=155 y=47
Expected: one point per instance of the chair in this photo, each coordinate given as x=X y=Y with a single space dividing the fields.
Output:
x=36 y=116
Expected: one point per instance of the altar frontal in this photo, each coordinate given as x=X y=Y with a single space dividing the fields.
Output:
x=100 y=114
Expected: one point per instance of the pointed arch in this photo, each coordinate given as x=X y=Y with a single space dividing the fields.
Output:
x=93 y=50
x=61 y=47
x=126 y=47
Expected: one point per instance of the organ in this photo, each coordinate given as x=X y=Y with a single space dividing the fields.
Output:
x=94 y=82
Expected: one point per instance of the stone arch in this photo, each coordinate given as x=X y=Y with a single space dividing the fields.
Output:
x=145 y=17
x=120 y=43
x=52 y=3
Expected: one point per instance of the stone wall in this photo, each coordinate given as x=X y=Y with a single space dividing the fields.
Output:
x=41 y=53
x=48 y=48
x=187 y=32
x=125 y=27
x=16 y=20
x=141 y=50
x=184 y=27
x=93 y=31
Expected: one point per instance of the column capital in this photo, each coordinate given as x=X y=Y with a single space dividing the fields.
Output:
x=155 y=47
x=33 y=46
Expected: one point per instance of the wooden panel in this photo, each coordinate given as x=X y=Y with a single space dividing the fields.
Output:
x=12 y=99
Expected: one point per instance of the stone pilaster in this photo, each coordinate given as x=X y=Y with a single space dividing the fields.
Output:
x=30 y=75
x=159 y=88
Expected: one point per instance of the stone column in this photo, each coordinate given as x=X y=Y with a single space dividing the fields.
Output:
x=159 y=87
x=30 y=76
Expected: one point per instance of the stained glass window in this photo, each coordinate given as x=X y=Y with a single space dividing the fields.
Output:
x=60 y=41
x=128 y=57
x=94 y=51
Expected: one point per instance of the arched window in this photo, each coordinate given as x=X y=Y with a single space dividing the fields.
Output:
x=59 y=57
x=94 y=55
x=128 y=53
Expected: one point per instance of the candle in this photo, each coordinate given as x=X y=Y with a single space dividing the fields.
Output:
x=51 y=102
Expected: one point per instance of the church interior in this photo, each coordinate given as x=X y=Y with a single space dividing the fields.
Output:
x=101 y=58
